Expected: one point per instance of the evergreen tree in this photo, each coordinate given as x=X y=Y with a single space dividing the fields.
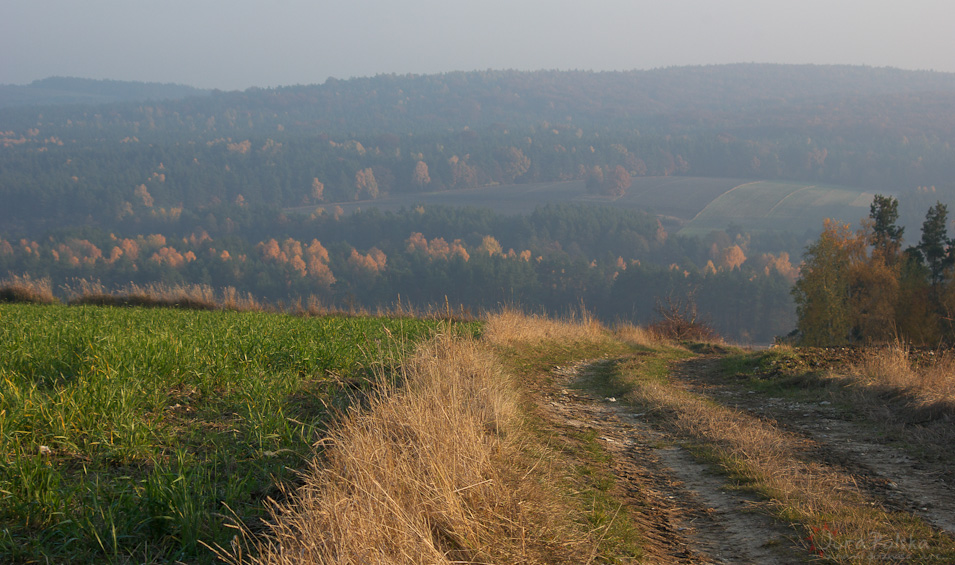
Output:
x=935 y=247
x=886 y=237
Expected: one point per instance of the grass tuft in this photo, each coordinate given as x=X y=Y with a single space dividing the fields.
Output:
x=26 y=290
x=928 y=382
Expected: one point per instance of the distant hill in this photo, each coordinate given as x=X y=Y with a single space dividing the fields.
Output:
x=71 y=90
x=808 y=129
x=758 y=99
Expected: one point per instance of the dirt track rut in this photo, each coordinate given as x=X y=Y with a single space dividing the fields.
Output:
x=683 y=508
x=690 y=514
x=897 y=479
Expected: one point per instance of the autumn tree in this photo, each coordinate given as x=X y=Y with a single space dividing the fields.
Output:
x=874 y=291
x=875 y=279
x=515 y=163
x=316 y=261
x=318 y=190
x=822 y=292
x=618 y=183
x=491 y=246
x=732 y=257
x=420 y=177
x=462 y=174
x=844 y=294
x=915 y=315
x=366 y=187
x=143 y=195
x=365 y=268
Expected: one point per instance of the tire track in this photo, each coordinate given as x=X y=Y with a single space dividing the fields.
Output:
x=898 y=479
x=683 y=509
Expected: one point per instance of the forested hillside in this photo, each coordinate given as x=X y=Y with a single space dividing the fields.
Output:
x=880 y=129
x=192 y=190
x=71 y=90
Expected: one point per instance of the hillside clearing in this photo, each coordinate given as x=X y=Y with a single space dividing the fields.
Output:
x=693 y=205
x=780 y=206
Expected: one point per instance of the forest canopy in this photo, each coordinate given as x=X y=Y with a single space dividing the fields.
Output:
x=245 y=189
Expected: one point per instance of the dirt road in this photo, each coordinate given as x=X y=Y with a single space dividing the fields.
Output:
x=691 y=512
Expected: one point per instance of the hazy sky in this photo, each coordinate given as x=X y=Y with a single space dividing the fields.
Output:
x=236 y=44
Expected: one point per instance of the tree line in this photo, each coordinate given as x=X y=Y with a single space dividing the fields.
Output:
x=862 y=286
x=617 y=262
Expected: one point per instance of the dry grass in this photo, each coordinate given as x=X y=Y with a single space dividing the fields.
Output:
x=433 y=472
x=205 y=297
x=639 y=336
x=511 y=326
x=911 y=394
x=197 y=297
x=26 y=289
x=929 y=382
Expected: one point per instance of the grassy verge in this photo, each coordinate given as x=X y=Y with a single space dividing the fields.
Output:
x=531 y=347
x=839 y=522
x=452 y=468
x=127 y=433
x=439 y=471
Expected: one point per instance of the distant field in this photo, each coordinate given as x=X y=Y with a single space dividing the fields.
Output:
x=779 y=206
x=693 y=205
x=126 y=434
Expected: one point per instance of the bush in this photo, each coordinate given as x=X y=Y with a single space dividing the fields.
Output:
x=679 y=321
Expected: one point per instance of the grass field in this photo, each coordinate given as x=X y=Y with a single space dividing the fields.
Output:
x=697 y=205
x=135 y=434
x=780 y=206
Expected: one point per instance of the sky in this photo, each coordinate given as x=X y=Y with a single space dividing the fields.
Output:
x=237 y=44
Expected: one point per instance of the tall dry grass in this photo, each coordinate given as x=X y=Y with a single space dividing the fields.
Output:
x=433 y=472
x=193 y=296
x=24 y=288
x=511 y=326
x=929 y=382
x=639 y=336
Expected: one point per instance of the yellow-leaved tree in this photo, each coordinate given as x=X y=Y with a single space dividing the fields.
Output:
x=822 y=291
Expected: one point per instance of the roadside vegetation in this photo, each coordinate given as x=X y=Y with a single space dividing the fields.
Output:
x=440 y=471
x=452 y=468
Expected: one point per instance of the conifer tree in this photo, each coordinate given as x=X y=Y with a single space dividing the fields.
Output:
x=936 y=248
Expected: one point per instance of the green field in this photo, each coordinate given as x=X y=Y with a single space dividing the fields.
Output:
x=131 y=434
x=693 y=205
x=780 y=206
